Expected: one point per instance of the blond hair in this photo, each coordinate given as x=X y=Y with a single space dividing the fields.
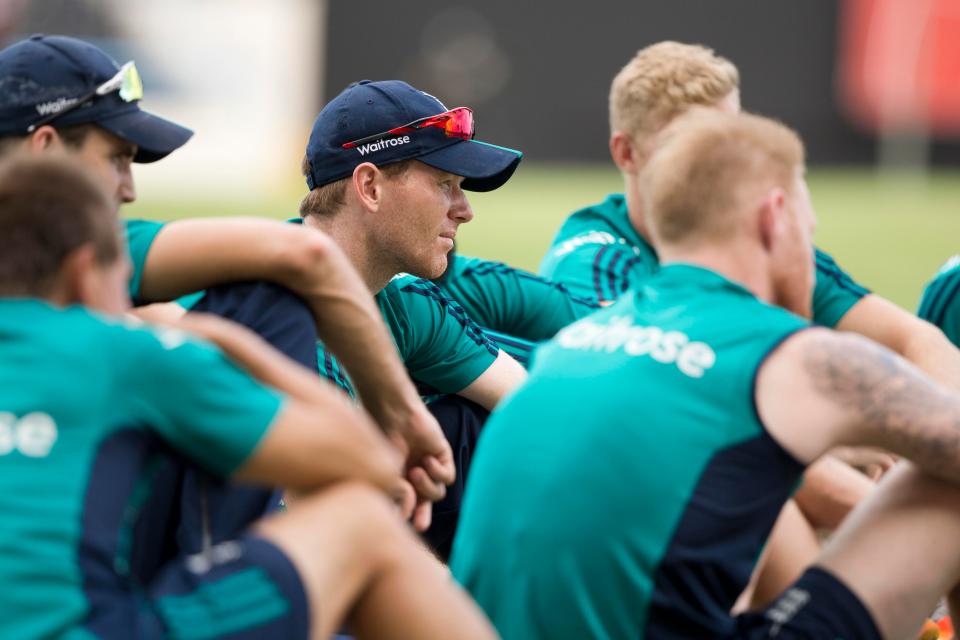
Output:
x=708 y=168
x=664 y=80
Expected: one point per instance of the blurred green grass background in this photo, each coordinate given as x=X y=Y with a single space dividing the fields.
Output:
x=890 y=233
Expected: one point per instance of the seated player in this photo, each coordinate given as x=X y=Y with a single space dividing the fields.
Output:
x=90 y=405
x=683 y=433
x=605 y=249
x=940 y=304
x=389 y=193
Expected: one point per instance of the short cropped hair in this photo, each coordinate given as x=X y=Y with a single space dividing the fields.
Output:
x=72 y=137
x=709 y=166
x=50 y=206
x=326 y=200
x=664 y=80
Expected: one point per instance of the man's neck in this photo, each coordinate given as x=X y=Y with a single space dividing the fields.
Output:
x=740 y=263
x=354 y=242
x=631 y=191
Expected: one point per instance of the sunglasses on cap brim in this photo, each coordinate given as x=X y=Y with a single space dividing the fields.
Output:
x=126 y=82
x=455 y=123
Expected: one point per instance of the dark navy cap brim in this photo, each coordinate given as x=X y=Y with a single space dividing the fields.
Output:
x=484 y=166
x=155 y=137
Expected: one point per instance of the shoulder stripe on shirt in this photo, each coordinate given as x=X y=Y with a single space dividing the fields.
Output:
x=518 y=349
x=625 y=271
x=597 y=271
x=828 y=267
x=430 y=290
x=941 y=300
x=611 y=276
x=505 y=269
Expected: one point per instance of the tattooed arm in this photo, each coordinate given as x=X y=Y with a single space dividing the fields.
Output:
x=855 y=392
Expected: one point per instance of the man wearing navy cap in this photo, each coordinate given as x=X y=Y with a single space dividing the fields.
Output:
x=53 y=88
x=387 y=166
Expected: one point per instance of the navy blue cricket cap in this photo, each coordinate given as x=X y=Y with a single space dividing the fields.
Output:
x=43 y=72
x=367 y=108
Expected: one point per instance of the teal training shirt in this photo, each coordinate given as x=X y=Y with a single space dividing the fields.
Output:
x=940 y=303
x=629 y=485
x=85 y=406
x=512 y=301
x=140 y=235
x=598 y=253
x=443 y=349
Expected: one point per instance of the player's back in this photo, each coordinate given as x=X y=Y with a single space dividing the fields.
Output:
x=56 y=376
x=88 y=408
x=626 y=490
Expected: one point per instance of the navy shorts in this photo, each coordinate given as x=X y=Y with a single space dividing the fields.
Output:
x=461 y=421
x=238 y=590
x=817 y=606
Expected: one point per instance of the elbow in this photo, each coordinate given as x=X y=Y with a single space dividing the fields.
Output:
x=309 y=256
x=923 y=339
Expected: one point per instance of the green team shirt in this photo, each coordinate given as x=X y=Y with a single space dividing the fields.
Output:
x=84 y=404
x=630 y=482
x=442 y=348
x=598 y=253
x=512 y=301
x=940 y=303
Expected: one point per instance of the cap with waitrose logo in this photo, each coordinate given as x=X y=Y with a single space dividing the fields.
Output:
x=63 y=81
x=388 y=121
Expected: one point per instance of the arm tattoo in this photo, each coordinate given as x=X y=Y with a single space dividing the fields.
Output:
x=905 y=411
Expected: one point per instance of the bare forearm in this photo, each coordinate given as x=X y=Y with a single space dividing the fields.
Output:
x=915 y=339
x=500 y=378
x=263 y=362
x=935 y=355
x=310 y=446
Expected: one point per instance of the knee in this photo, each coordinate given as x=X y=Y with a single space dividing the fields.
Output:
x=369 y=520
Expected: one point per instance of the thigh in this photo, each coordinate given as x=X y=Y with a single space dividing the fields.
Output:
x=238 y=590
x=815 y=607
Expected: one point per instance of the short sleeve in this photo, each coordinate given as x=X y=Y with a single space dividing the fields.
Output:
x=513 y=301
x=195 y=398
x=940 y=303
x=439 y=344
x=140 y=235
x=834 y=292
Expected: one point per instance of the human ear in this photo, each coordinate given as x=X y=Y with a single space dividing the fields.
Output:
x=368 y=185
x=624 y=152
x=772 y=219
x=77 y=279
x=45 y=137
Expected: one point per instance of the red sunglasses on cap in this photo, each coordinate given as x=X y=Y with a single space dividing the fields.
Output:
x=456 y=123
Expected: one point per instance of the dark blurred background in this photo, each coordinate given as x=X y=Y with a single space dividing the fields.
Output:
x=538 y=73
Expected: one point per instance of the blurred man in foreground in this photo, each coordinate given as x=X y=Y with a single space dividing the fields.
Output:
x=89 y=406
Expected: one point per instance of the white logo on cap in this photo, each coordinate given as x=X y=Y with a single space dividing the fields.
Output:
x=55 y=106
x=380 y=145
